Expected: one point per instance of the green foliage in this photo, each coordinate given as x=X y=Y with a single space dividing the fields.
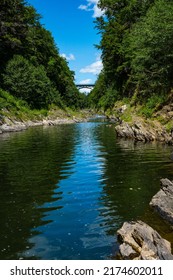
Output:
x=98 y=92
x=83 y=101
x=40 y=47
x=102 y=96
x=120 y=17
x=31 y=68
x=108 y=99
x=137 y=51
x=15 y=108
x=15 y=21
x=152 y=104
x=149 y=48
x=29 y=83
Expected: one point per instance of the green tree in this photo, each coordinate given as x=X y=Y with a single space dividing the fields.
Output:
x=21 y=33
x=149 y=48
x=40 y=46
x=15 y=20
x=120 y=17
x=98 y=92
x=29 y=83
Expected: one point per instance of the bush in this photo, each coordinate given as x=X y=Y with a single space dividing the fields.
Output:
x=108 y=100
x=149 y=49
x=153 y=104
x=29 y=83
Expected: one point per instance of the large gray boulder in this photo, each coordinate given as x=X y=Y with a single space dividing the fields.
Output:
x=141 y=242
x=162 y=202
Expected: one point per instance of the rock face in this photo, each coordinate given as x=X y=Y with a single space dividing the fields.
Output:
x=15 y=126
x=141 y=242
x=12 y=128
x=162 y=202
x=141 y=131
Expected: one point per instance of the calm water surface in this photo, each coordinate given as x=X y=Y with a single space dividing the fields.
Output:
x=65 y=190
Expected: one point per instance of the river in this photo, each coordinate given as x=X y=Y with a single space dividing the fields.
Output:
x=65 y=190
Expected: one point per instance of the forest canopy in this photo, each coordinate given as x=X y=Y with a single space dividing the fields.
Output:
x=31 y=67
x=137 y=52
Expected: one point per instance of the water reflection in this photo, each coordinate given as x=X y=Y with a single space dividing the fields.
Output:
x=132 y=174
x=30 y=164
x=65 y=190
x=75 y=226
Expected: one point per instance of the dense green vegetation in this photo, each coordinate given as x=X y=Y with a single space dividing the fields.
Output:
x=31 y=68
x=137 y=53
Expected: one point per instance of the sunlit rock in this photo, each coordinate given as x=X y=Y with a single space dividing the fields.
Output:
x=162 y=202
x=140 y=241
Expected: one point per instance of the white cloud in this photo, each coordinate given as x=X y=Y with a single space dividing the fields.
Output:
x=85 y=82
x=85 y=90
x=68 y=57
x=94 y=68
x=92 y=5
x=83 y=7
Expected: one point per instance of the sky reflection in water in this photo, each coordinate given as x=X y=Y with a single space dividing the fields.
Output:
x=66 y=190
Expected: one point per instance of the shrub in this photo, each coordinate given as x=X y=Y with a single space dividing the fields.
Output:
x=29 y=83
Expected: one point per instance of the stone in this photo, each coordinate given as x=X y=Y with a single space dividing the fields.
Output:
x=121 y=109
x=124 y=130
x=162 y=201
x=127 y=251
x=141 y=242
x=12 y=128
x=139 y=130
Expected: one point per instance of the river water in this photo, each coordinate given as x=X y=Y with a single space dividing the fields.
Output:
x=65 y=190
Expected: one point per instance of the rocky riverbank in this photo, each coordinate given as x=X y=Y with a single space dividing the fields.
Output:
x=12 y=125
x=141 y=130
x=142 y=242
x=15 y=126
x=158 y=128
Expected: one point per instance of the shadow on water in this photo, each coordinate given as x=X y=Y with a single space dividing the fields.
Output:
x=30 y=164
x=65 y=190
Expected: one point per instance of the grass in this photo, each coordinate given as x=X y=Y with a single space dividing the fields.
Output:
x=18 y=110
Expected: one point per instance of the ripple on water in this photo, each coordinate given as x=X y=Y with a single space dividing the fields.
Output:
x=65 y=190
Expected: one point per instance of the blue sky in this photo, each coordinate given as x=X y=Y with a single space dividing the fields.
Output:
x=71 y=24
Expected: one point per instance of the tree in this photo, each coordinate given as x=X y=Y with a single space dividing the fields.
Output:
x=149 y=48
x=119 y=18
x=98 y=91
x=40 y=46
x=15 y=19
x=30 y=50
x=29 y=83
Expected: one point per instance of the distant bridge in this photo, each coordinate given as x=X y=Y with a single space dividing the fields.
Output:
x=90 y=86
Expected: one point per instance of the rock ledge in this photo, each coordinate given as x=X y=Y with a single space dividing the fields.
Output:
x=162 y=201
x=141 y=242
x=141 y=131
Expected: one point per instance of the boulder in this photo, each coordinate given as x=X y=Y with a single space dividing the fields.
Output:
x=136 y=131
x=141 y=242
x=162 y=202
x=140 y=130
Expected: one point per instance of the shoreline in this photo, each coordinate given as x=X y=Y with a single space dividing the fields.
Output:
x=20 y=126
x=129 y=124
x=140 y=241
x=8 y=125
x=144 y=131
